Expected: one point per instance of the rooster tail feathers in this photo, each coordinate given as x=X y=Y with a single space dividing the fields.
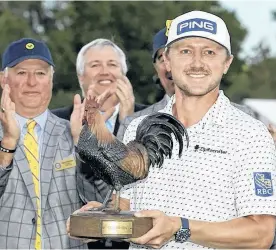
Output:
x=155 y=133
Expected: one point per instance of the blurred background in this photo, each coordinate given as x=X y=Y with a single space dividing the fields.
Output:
x=67 y=25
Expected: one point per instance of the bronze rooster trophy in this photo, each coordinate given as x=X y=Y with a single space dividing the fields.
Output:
x=118 y=165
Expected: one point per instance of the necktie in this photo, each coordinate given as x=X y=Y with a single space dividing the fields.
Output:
x=31 y=151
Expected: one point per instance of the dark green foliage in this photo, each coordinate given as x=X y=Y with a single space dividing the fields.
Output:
x=66 y=26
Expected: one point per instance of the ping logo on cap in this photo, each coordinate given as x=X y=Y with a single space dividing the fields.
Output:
x=196 y=24
x=29 y=46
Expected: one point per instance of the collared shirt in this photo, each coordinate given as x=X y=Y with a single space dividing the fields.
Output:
x=227 y=172
x=39 y=129
x=110 y=123
x=167 y=97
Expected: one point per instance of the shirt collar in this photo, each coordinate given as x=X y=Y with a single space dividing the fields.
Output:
x=215 y=115
x=167 y=97
x=40 y=120
x=218 y=112
x=116 y=112
x=112 y=119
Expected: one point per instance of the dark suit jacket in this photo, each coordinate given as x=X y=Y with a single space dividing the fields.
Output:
x=100 y=188
x=149 y=110
x=66 y=112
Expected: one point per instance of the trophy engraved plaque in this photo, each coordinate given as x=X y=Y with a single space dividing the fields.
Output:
x=96 y=224
x=119 y=164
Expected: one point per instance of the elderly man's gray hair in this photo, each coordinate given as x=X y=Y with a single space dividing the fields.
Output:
x=100 y=43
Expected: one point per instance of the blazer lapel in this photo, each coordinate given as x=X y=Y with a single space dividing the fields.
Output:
x=22 y=164
x=162 y=103
x=117 y=125
x=53 y=130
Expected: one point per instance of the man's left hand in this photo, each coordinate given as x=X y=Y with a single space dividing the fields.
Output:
x=164 y=228
x=125 y=94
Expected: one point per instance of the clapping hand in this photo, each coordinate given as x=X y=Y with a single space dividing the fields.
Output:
x=11 y=129
x=125 y=94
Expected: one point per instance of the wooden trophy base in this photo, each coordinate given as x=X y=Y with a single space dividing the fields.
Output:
x=98 y=224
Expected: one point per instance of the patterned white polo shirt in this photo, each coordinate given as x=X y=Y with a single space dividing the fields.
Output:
x=228 y=171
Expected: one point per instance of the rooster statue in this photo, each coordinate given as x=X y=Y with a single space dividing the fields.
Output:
x=118 y=164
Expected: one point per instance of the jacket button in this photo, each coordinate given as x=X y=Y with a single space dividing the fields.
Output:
x=33 y=220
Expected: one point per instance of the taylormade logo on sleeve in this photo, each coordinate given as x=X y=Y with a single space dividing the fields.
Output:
x=196 y=24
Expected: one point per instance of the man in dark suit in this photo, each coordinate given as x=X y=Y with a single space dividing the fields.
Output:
x=101 y=66
x=163 y=78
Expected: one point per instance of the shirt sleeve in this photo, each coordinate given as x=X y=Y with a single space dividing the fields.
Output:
x=254 y=175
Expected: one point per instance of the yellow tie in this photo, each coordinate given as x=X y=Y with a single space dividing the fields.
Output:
x=31 y=150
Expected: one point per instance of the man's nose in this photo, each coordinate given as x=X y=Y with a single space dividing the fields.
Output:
x=197 y=60
x=104 y=70
x=31 y=80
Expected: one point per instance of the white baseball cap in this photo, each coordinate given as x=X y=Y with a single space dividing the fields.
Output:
x=199 y=24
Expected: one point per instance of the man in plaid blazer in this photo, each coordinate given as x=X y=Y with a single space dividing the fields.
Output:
x=27 y=73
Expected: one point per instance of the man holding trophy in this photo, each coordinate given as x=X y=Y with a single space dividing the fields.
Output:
x=220 y=193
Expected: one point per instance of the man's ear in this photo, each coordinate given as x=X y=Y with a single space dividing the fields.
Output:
x=80 y=79
x=228 y=63
x=154 y=65
x=167 y=61
x=2 y=73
